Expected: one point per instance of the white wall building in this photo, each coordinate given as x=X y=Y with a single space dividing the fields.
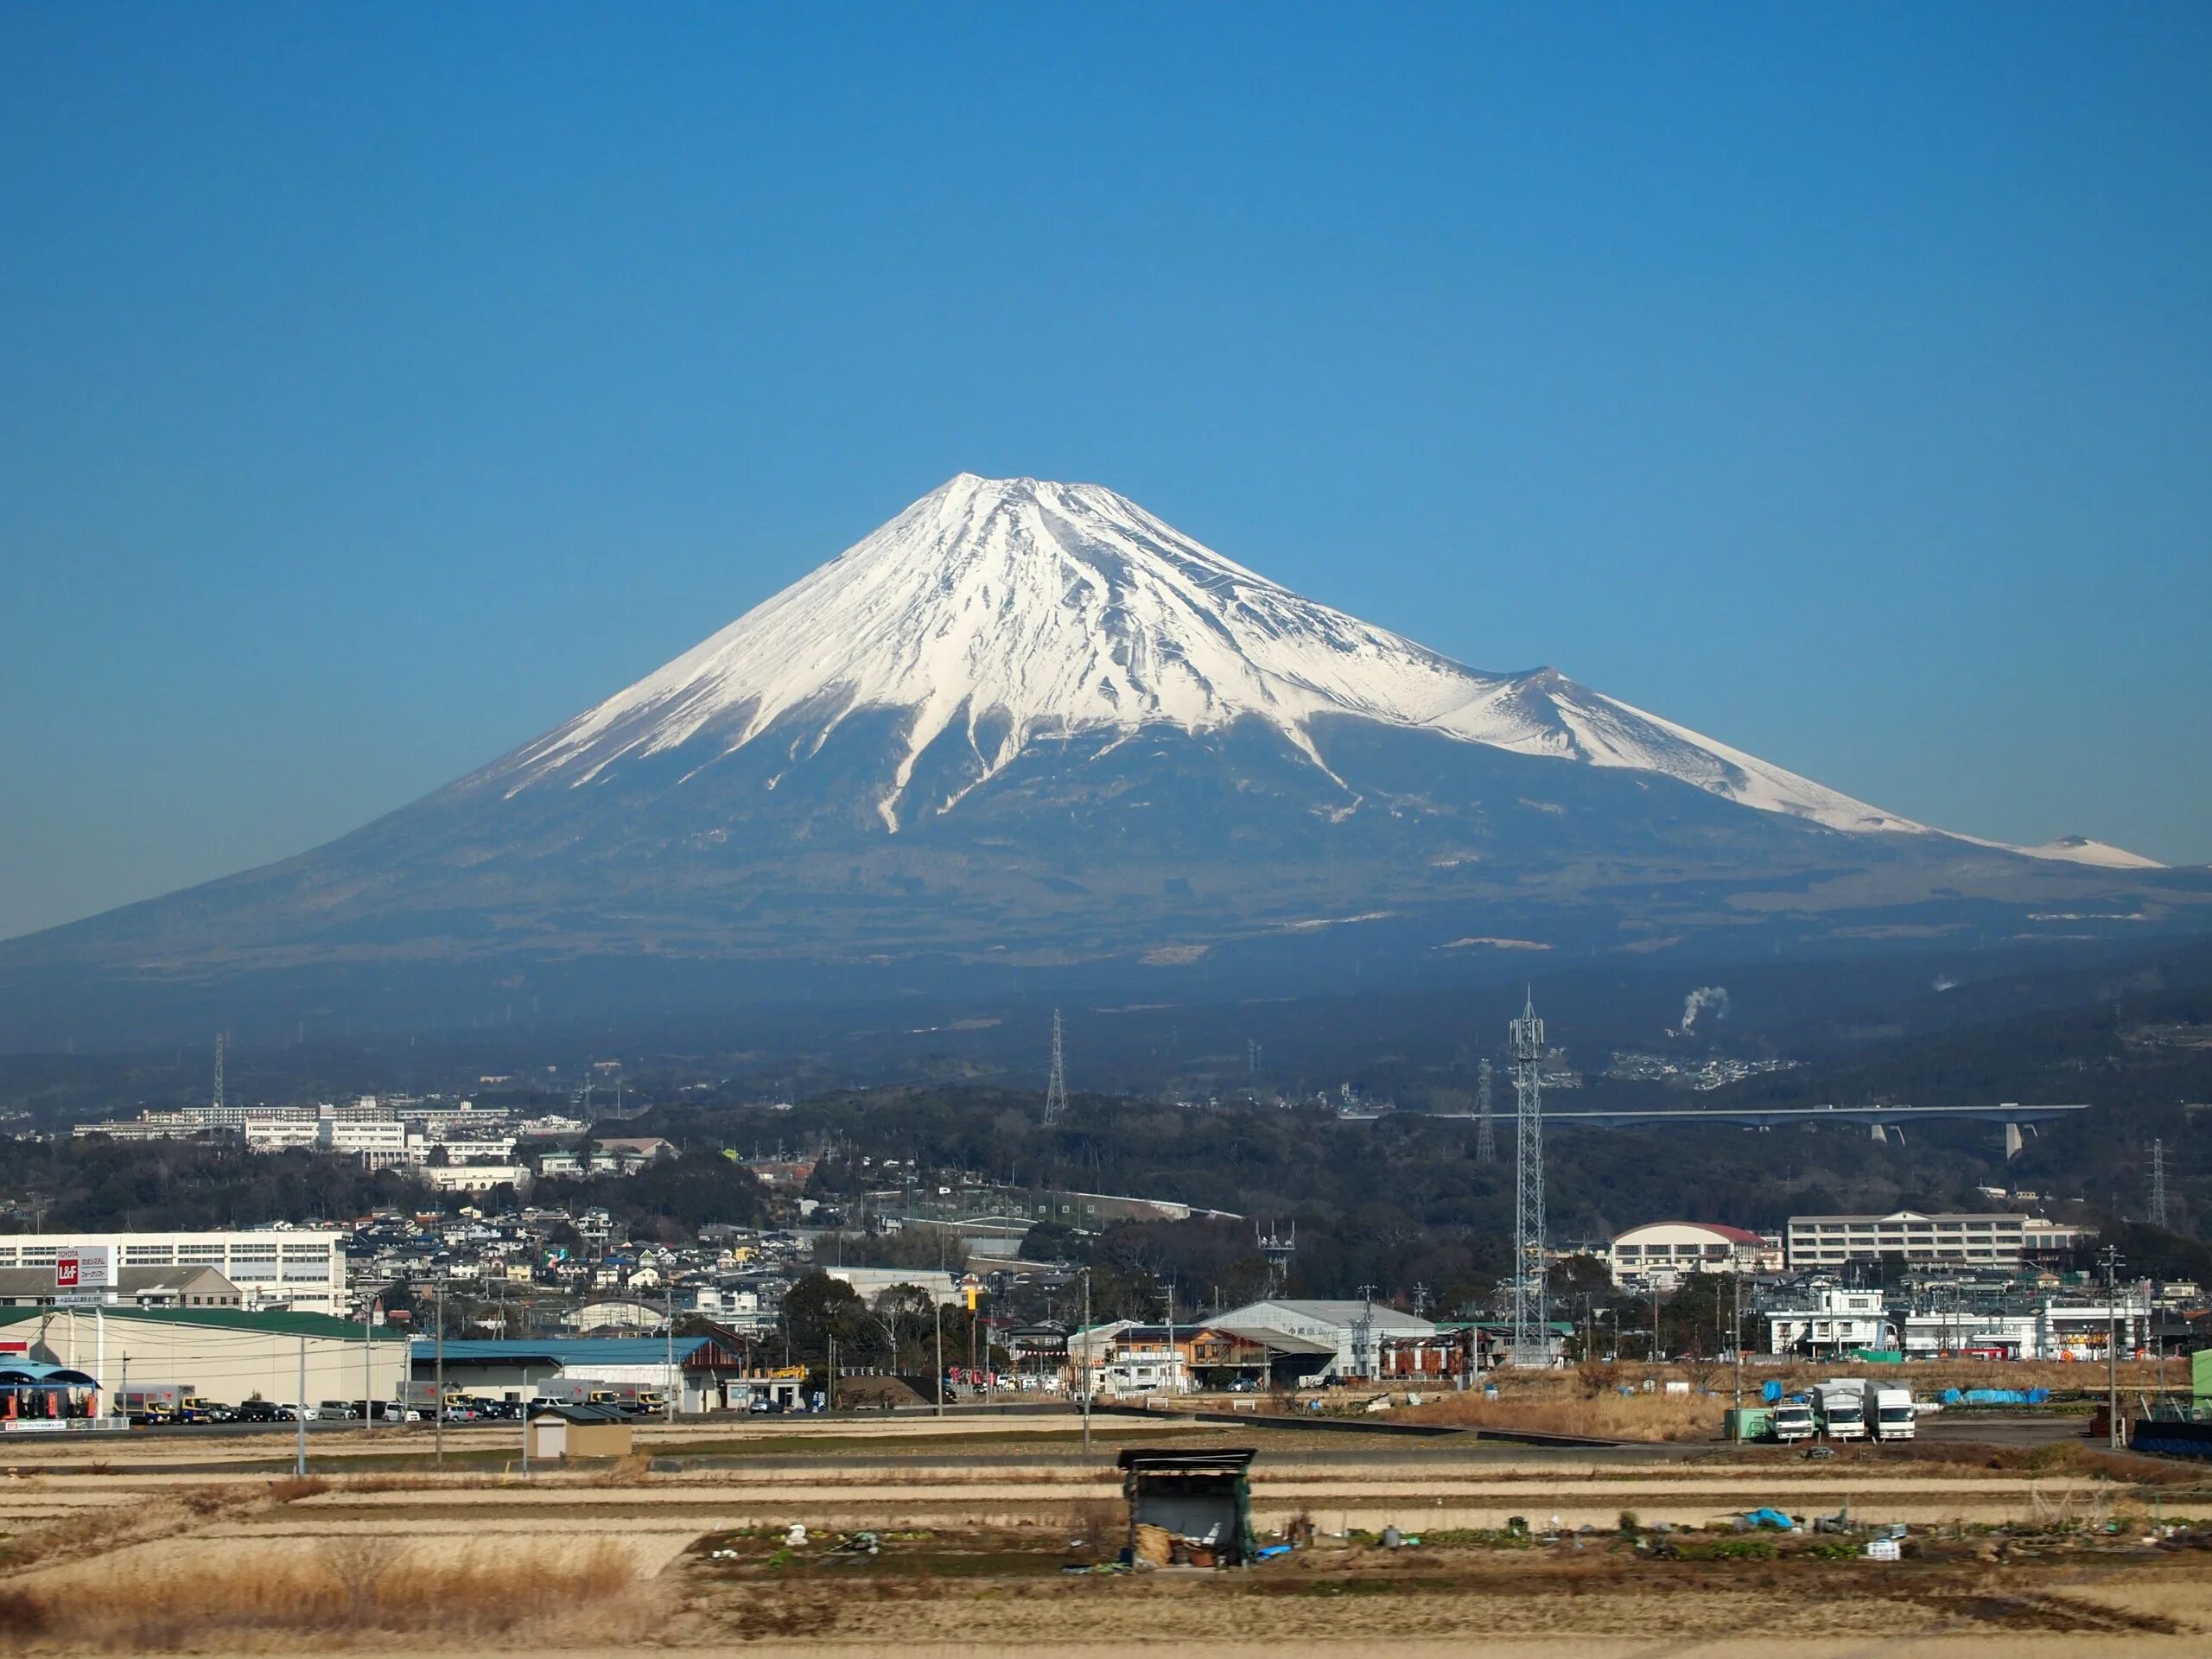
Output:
x=223 y=1354
x=1817 y=1241
x=299 y=1267
x=1665 y=1250
x=1836 y=1322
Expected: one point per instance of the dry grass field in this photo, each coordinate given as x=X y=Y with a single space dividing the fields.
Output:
x=2019 y=1551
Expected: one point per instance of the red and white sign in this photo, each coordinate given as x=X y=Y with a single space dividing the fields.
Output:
x=82 y=1267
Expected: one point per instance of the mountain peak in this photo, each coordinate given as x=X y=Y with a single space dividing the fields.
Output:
x=1008 y=611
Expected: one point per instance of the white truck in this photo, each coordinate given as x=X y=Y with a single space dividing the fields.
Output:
x=1840 y=1406
x=1893 y=1413
x=1793 y=1420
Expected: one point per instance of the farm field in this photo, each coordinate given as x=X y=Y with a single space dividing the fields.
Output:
x=173 y=1544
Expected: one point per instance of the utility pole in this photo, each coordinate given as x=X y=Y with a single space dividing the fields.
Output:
x=2113 y=1438
x=438 y=1366
x=936 y=1319
x=674 y=1381
x=368 y=1369
x=300 y=1456
x=1086 y=1363
x=1530 y=1344
x=1655 y=1318
x=1485 y=1126
x=1736 y=1334
x=1169 y=1291
x=2159 y=1184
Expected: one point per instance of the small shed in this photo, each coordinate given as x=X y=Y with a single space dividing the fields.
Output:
x=1189 y=1506
x=581 y=1430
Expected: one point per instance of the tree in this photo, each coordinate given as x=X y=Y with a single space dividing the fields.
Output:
x=815 y=1310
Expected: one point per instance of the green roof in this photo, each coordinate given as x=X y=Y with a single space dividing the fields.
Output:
x=225 y=1319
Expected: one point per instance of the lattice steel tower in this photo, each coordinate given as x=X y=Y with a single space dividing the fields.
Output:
x=219 y=1040
x=1056 y=1090
x=1485 y=1125
x=1531 y=1342
x=2158 y=1184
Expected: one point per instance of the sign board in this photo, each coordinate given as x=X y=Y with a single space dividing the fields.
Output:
x=83 y=1266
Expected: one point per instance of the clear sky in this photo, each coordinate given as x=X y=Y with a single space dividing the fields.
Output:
x=379 y=386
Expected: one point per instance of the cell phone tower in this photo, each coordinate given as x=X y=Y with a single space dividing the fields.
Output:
x=1531 y=1341
x=2158 y=1184
x=1056 y=1090
x=1485 y=1125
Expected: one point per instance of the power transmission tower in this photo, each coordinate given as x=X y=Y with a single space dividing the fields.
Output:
x=219 y=1038
x=1056 y=1090
x=1485 y=1126
x=1531 y=1345
x=2158 y=1184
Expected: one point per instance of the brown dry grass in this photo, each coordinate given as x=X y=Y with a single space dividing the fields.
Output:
x=353 y=1592
x=97 y=1532
x=1610 y=1416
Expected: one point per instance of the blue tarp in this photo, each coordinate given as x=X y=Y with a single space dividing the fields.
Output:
x=1995 y=1396
x=1770 y=1391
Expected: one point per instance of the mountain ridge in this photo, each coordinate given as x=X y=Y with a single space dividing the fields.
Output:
x=1027 y=728
x=947 y=610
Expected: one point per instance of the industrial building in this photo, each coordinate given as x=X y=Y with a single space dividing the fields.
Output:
x=702 y=1373
x=1816 y=1242
x=302 y=1268
x=226 y=1354
x=1323 y=1338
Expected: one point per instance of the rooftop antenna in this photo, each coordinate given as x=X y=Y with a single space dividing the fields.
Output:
x=1056 y=1090
x=219 y=1039
x=2159 y=1184
x=1530 y=1345
x=1485 y=1126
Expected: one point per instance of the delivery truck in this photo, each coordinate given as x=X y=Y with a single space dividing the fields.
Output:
x=1793 y=1420
x=1893 y=1413
x=1840 y=1404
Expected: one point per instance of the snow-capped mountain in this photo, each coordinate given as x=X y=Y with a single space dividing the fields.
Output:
x=1028 y=728
x=1009 y=610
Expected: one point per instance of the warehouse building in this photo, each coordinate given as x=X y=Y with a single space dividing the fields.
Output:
x=708 y=1373
x=227 y=1354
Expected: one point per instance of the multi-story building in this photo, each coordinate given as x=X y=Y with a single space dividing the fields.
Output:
x=298 y=1267
x=1835 y=1321
x=1665 y=1250
x=1818 y=1242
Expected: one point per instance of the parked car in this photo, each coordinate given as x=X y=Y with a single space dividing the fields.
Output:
x=260 y=1411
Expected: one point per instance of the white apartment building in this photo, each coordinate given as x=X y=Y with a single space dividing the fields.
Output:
x=303 y=1269
x=1817 y=1241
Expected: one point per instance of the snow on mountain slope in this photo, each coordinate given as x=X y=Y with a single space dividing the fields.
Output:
x=2080 y=850
x=1012 y=609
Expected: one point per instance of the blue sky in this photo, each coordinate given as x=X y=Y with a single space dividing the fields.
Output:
x=380 y=386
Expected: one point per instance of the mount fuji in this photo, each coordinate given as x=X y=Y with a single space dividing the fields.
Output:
x=1028 y=727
